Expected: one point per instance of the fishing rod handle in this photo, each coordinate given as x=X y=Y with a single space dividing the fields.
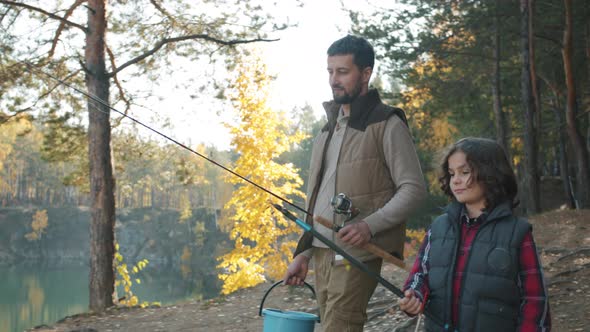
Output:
x=370 y=247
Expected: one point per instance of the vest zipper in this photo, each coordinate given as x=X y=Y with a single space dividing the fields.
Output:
x=465 y=269
x=336 y=173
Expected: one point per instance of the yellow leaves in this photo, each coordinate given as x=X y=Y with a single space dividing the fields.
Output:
x=517 y=144
x=260 y=136
x=185 y=208
x=414 y=240
x=413 y=101
x=32 y=236
x=432 y=178
x=39 y=223
x=186 y=254
x=245 y=273
x=442 y=134
x=124 y=279
x=13 y=127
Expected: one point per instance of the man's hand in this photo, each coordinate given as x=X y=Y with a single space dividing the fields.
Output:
x=356 y=234
x=297 y=271
x=410 y=303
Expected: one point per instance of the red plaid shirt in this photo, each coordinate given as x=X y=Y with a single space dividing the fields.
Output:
x=534 y=309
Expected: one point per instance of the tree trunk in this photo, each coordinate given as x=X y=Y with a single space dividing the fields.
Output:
x=102 y=248
x=587 y=11
x=534 y=84
x=564 y=170
x=531 y=176
x=501 y=132
x=578 y=143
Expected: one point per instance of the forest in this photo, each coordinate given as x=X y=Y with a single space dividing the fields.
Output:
x=516 y=72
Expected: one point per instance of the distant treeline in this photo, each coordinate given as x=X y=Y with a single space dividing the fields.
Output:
x=148 y=174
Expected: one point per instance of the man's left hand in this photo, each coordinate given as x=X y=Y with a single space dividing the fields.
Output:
x=356 y=234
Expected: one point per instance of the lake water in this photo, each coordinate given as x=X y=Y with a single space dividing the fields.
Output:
x=33 y=295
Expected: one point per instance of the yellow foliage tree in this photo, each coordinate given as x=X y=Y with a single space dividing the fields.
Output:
x=39 y=223
x=185 y=208
x=434 y=131
x=261 y=235
x=10 y=128
x=126 y=280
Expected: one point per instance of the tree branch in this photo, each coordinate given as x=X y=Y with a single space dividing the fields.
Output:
x=61 y=27
x=545 y=37
x=44 y=12
x=164 y=12
x=118 y=84
x=165 y=41
x=6 y=118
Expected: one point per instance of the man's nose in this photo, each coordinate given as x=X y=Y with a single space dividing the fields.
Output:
x=333 y=80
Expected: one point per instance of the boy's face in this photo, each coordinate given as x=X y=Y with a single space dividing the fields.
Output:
x=463 y=185
x=346 y=79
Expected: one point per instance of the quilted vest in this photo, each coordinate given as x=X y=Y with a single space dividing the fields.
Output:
x=489 y=295
x=370 y=188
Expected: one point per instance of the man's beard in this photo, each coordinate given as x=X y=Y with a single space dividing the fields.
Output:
x=347 y=98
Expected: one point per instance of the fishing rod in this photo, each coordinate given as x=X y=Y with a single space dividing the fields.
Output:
x=34 y=70
x=355 y=262
x=358 y=264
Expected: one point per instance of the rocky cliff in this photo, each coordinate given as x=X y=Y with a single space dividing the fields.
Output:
x=153 y=234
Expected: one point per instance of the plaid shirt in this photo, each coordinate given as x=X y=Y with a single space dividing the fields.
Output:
x=534 y=309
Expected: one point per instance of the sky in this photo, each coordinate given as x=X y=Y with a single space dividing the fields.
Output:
x=298 y=60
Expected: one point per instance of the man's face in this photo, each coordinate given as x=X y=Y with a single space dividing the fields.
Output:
x=346 y=79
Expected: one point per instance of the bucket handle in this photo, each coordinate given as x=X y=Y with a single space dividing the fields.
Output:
x=276 y=284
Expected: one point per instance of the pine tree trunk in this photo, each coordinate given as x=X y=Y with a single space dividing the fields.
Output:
x=577 y=141
x=102 y=277
x=563 y=163
x=587 y=27
x=500 y=123
x=531 y=176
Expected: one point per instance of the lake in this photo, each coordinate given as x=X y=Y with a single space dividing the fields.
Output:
x=31 y=295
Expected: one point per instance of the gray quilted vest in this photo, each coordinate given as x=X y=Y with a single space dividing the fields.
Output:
x=489 y=295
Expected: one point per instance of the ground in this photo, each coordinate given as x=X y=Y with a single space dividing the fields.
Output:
x=562 y=239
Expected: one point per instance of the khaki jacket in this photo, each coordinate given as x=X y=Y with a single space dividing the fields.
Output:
x=378 y=169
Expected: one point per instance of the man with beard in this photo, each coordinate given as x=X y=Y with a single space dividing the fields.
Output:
x=366 y=152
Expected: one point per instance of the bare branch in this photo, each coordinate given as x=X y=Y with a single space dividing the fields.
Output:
x=165 y=41
x=118 y=84
x=163 y=11
x=4 y=118
x=553 y=40
x=62 y=25
x=44 y=12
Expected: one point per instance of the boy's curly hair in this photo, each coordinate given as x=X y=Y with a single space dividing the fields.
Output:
x=490 y=167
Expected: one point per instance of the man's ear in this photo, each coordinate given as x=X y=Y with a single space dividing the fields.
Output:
x=366 y=74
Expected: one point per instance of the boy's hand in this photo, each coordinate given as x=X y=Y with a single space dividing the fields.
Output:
x=410 y=303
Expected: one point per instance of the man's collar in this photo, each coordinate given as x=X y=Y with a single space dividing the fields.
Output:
x=359 y=109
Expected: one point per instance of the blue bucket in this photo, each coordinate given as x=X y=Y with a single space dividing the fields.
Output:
x=276 y=320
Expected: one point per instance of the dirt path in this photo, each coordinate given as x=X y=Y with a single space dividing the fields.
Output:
x=562 y=238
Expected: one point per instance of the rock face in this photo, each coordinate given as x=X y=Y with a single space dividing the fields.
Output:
x=153 y=234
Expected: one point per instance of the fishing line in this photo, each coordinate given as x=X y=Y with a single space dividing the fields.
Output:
x=37 y=71
x=360 y=265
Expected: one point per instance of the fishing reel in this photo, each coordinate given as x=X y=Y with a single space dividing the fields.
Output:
x=341 y=204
